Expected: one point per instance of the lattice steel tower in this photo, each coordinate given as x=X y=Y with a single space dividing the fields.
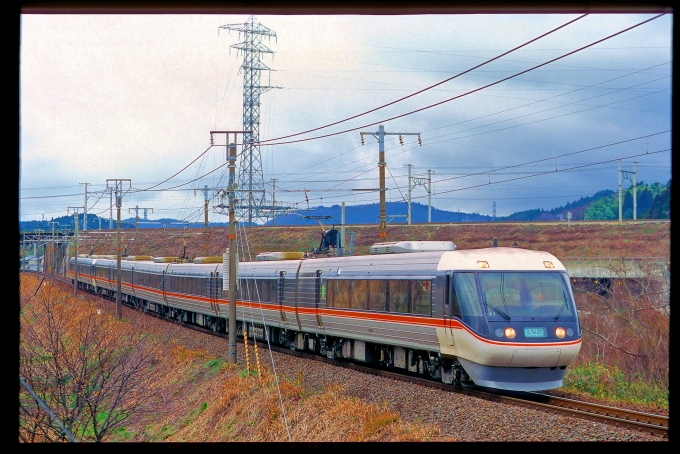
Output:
x=251 y=191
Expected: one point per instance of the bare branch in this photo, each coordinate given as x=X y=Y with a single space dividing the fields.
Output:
x=607 y=341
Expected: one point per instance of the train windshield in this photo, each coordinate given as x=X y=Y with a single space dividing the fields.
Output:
x=511 y=294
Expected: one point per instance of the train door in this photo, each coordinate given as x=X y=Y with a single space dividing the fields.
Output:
x=319 y=296
x=132 y=280
x=164 y=278
x=280 y=290
x=212 y=291
x=297 y=282
x=448 y=328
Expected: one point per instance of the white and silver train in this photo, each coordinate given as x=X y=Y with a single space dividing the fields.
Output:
x=496 y=317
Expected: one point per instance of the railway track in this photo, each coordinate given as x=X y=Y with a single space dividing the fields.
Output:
x=627 y=419
x=622 y=418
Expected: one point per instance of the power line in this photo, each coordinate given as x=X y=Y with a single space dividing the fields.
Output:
x=475 y=90
x=552 y=171
x=431 y=86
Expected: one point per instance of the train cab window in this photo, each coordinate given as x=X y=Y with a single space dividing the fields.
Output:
x=525 y=294
x=465 y=300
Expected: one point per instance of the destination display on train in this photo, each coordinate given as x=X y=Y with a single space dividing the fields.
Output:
x=535 y=332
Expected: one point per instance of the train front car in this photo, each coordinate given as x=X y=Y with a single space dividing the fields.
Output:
x=510 y=321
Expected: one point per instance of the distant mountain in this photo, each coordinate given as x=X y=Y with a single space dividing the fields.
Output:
x=370 y=214
x=651 y=201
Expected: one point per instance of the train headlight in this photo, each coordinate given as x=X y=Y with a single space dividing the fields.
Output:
x=499 y=332
x=510 y=333
x=570 y=332
x=548 y=264
x=483 y=263
x=560 y=332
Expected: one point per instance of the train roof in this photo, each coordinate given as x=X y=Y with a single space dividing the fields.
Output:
x=500 y=258
x=493 y=258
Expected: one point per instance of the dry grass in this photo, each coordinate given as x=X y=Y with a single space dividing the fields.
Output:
x=232 y=405
x=205 y=399
x=591 y=239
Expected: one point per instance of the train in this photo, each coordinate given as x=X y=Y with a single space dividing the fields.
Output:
x=497 y=317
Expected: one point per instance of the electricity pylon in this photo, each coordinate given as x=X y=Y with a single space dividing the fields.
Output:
x=251 y=179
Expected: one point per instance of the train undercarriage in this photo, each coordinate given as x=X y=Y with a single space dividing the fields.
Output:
x=418 y=362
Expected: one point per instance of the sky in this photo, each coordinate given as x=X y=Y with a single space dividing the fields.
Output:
x=134 y=97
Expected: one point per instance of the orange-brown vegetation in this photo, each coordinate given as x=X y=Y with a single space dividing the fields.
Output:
x=626 y=323
x=581 y=239
x=184 y=394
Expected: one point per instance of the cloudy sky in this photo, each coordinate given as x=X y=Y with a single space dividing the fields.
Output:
x=135 y=96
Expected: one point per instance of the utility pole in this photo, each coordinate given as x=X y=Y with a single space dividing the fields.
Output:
x=627 y=175
x=341 y=246
x=380 y=136
x=52 y=259
x=75 y=248
x=23 y=248
x=408 y=215
x=494 y=211
x=232 y=264
x=620 y=195
x=110 y=208
x=233 y=260
x=136 y=208
x=273 y=180
x=118 y=187
x=422 y=182
x=635 y=190
x=221 y=208
x=85 y=209
x=429 y=195
x=205 y=210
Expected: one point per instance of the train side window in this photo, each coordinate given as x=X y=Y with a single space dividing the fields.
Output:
x=465 y=301
x=399 y=296
x=377 y=295
x=263 y=289
x=340 y=293
x=358 y=293
x=421 y=296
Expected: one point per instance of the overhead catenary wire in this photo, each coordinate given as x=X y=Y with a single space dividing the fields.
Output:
x=244 y=239
x=552 y=171
x=431 y=86
x=471 y=91
x=195 y=180
x=429 y=106
x=514 y=108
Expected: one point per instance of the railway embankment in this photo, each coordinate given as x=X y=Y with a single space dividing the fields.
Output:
x=566 y=241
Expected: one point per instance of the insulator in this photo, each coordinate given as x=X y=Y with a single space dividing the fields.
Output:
x=420 y=141
x=362 y=140
x=401 y=141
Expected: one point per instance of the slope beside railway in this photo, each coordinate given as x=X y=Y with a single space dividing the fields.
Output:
x=200 y=398
x=579 y=239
